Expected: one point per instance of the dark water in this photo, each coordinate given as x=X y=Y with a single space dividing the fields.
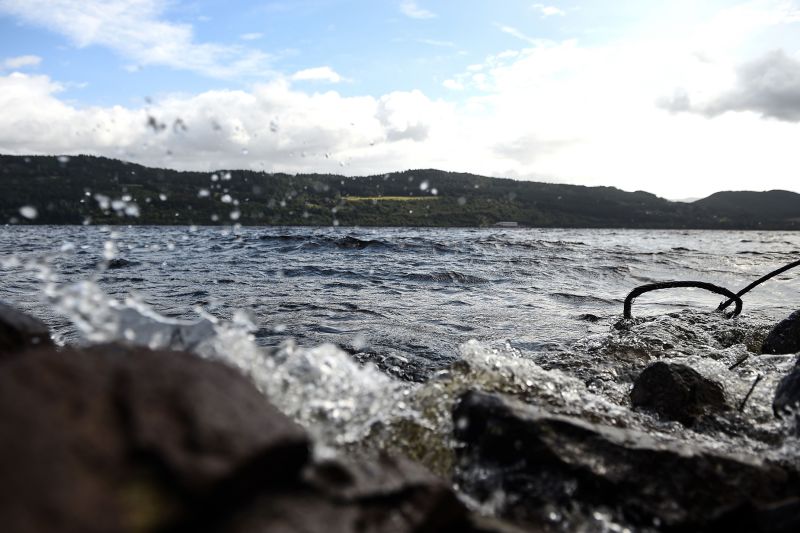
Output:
x=405 y=298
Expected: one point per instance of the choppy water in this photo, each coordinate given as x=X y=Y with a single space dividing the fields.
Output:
x=406 y=298
x=526 y=312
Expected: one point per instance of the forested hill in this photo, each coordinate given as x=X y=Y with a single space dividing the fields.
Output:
x=87 y=189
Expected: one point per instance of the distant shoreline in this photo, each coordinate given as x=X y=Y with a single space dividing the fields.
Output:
x=100 y=191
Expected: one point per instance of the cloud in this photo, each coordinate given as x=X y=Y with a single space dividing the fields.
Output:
x=548 y=11
x=514 y=32
x=434 y=42
x=20 y=62
x=768 y=86
x=410 y=9
x=137 y=30
x=251 y=36
x=453 y=85
x=326 y=74
x=272 y=127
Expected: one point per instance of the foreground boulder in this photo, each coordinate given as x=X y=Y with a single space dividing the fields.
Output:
x=108 y=439
x=784 y=337
x=538 y=461
x=117 y=439
x=19 y=331
x=677 y=392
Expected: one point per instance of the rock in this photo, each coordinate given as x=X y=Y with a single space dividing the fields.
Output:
x=677 y=392
x=376 y=495
x=118 y=439
x=19 y=331
x=121 y=439
x=527 y=461
x=784 y=337
x=787 y=394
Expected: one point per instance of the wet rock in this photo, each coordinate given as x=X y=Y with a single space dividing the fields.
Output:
x=118 y=262
x=122 y=439
x=526 y=461
x=19 y=331
x=376 y=495
x=116 y=439
x=677 y=392
x=787 y=395
x=784 y=337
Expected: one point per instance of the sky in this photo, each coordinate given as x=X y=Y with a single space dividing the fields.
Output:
x=674 y=98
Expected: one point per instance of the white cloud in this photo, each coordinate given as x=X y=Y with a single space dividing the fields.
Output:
x=282 y=129
x=326 y=74
x=137 y=30
x=548 y=11
x=20 y=62
x=410 y=9
x=254 y=36
x=514 y=32
x=453 y=85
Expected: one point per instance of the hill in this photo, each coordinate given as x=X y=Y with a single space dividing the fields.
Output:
x=88 y=189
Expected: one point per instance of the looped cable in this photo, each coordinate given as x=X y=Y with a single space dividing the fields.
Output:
x=638 y=291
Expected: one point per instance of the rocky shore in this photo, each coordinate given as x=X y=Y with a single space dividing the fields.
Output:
x=115 y=437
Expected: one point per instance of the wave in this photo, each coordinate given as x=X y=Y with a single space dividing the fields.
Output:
x=446 y=277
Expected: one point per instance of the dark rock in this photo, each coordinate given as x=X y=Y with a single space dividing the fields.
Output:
x=118 y=262
x=784 y=337
x=787 y=395
x=121 y=439
x=19 y=331
x=677 y=392
x=528 y=461
x=116 y=439
x=376 y=495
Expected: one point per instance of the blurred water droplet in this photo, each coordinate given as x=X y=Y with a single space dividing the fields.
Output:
x=235 y=215
x=162 y=197
x=29 y=212
x=424 y=185
x=462 y=200
x=214 y=177
x=226 y=198
x=245 y=151
x=203 y=193
x=110 y=250
x=63 y=159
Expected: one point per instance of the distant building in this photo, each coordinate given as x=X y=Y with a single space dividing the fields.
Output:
x=506 y=225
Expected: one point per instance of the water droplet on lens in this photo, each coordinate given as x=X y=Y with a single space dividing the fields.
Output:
x=162 y=197
x=28 y=212
x=424 y=185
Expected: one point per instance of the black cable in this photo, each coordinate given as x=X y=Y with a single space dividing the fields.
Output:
x=756 y=283
x=638 y=291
